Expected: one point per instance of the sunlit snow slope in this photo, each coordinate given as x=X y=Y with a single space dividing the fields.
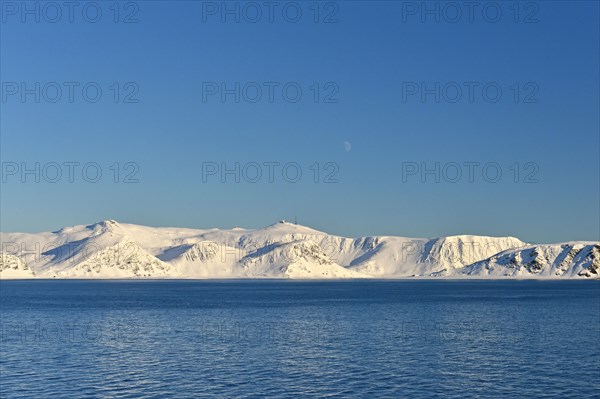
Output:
x=109 y=249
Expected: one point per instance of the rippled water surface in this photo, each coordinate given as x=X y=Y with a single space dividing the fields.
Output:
x=250 y=339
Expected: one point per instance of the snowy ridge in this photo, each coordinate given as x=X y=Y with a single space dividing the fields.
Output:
x=109 y=249
x=14 y=267
x=125 y=259
x=296 y=259
x=567 y=260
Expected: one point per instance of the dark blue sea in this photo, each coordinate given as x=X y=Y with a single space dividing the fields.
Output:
x=290 y=339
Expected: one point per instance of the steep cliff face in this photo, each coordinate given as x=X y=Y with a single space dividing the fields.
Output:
x=566 y=260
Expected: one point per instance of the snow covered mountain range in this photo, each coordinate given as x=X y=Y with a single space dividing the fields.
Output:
x=109 y=249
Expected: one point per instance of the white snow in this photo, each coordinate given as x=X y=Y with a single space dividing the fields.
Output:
x=566 y=260
x=109 y=249
x=13 y=267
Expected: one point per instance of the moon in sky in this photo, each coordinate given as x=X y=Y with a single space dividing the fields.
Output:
x=347 y=146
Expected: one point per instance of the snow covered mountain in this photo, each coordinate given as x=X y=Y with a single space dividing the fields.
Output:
x=576 y=259
x=14 y=267
x=109 y=249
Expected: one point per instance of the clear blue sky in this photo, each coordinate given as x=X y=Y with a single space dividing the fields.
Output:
x=367 y=61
